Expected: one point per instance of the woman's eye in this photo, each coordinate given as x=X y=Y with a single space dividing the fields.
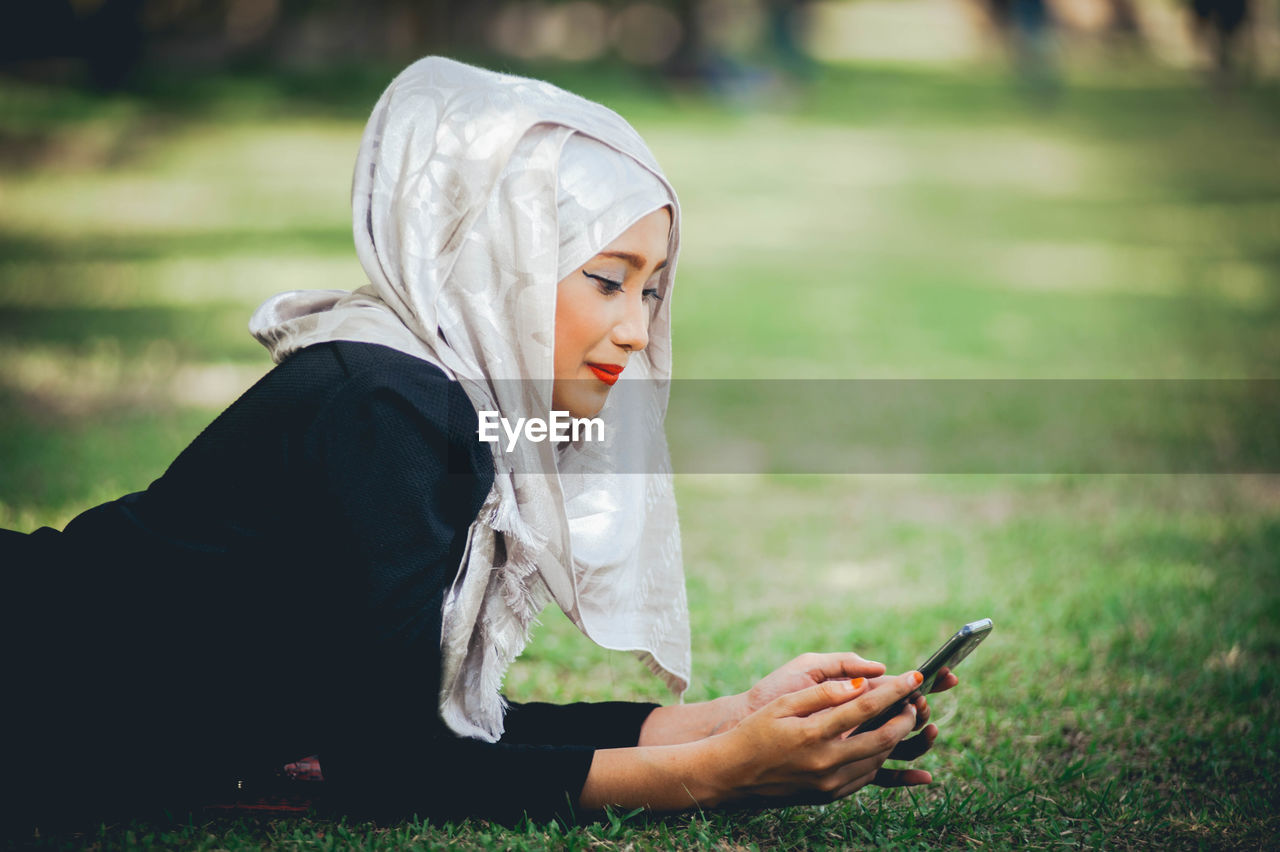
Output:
x=607 y=285
x=652 y=294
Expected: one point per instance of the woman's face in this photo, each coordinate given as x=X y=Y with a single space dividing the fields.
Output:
x=602 y=314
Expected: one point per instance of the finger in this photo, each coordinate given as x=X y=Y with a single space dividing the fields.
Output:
x=912 y=747
x=877 y=744
x=875 y=682
x=841 y=665
x=945 y=680
x=922 y=711
x=847 y=777
x=902 y=777
x=897 y=728
x=820 y=696
x=860 y=763
x=871 y=703
x=855 y=784
x=872 y=683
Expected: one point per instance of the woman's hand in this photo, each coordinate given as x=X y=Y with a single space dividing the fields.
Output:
x=803 y=672
x=683 y=723
x=807 y=670
x=797 y=747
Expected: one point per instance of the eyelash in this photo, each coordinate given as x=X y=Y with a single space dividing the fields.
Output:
x=608 y=286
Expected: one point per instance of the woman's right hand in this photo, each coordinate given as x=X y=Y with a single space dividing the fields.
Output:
x=797 y=749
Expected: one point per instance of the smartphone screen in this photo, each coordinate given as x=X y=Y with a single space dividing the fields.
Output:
x=955 y=649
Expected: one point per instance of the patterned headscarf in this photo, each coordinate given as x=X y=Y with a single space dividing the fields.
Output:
x=474 y=194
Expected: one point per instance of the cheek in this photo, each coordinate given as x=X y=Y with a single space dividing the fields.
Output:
x=566 y=330
x=578 y=328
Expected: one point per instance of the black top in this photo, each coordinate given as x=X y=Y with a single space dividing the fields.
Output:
x=277 y=593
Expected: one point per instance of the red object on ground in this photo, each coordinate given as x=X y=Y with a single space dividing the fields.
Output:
x=288 y=793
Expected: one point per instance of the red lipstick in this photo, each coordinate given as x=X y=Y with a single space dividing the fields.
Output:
x=607 y=373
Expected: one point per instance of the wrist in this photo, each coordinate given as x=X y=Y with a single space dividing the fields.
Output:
x=659 y=778
x=683 y=723
x=707 y=783
x=731 y=710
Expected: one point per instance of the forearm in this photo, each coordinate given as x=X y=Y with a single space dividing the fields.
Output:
x=685 y=723
x=656 y=778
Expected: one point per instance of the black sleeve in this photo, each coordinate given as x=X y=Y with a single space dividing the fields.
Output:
x=399 y=477
x=603 y=724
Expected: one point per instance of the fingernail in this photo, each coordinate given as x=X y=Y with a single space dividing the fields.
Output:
x=917 y=678
x=857 y=683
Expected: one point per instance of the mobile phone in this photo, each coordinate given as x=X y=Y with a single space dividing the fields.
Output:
x=949 y=655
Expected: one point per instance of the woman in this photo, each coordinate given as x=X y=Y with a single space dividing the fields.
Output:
x=338 y=565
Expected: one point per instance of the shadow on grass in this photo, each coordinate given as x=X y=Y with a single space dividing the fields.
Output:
x=1107 y=105
x=28 y=248
x=212 y=332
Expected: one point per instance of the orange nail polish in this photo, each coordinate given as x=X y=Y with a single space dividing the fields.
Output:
x=857 y=683
x=917 y=677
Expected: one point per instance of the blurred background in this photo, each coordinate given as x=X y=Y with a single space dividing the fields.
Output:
x=734 y=43
x=872 y=189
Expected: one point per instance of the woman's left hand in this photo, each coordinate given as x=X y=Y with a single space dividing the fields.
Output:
x=808 y=669
x=682 y=723
x=803 y=672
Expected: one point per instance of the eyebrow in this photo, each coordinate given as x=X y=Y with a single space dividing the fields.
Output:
x=631 y=258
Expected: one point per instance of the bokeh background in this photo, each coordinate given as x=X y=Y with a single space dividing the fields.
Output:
x=873 y=189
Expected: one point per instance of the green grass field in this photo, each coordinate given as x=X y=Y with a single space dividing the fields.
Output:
x=885 y=224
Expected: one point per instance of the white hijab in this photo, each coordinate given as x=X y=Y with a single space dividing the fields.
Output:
x=474 y=194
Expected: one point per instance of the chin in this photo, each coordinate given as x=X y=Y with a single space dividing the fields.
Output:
x=582 y=412
x=581 y=405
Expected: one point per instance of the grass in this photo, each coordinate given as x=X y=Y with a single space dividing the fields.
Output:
x=883 y=224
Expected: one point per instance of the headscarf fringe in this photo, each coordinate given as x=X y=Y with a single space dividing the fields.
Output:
x=672 y=681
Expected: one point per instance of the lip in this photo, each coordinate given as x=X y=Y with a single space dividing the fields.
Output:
x=607 y=373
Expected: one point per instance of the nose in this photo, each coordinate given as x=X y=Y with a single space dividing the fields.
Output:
x=632 y=329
